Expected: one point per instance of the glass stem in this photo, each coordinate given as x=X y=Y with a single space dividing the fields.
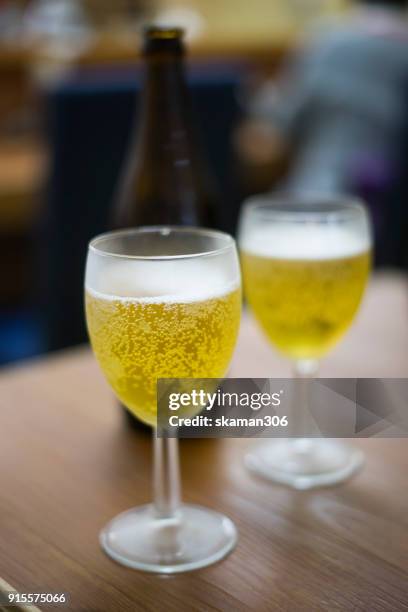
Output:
x=304 y=371
x=166 y=476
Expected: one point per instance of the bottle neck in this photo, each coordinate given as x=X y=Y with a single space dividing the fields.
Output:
x=165 y=104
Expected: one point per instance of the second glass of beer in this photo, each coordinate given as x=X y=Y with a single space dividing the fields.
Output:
x=305 y=264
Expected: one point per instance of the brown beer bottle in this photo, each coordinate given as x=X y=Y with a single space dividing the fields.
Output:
x=166 y=179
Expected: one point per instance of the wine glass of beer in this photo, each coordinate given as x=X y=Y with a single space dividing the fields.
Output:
x=163 y=302
x=305 y=265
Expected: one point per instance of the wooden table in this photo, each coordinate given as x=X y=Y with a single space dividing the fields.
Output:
x=69 y=463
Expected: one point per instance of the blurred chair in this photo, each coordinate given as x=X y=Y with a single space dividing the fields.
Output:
x=89 y=121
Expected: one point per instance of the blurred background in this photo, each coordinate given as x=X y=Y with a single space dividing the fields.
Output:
x=289 y=95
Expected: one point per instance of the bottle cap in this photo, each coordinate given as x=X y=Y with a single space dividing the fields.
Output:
x=158 y=39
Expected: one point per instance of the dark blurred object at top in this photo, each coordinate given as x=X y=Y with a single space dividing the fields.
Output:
x=339 y=111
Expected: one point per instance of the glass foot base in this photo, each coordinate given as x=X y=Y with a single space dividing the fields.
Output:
x=194 y=538
x=304 y=463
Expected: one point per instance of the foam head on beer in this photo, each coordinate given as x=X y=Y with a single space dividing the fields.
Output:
x=310 y=241
x=170 y=280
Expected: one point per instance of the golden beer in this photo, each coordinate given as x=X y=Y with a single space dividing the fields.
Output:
x=307 y=298
x=138 y=340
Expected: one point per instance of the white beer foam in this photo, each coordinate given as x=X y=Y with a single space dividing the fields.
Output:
x=308 y=241
x=159 y=282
